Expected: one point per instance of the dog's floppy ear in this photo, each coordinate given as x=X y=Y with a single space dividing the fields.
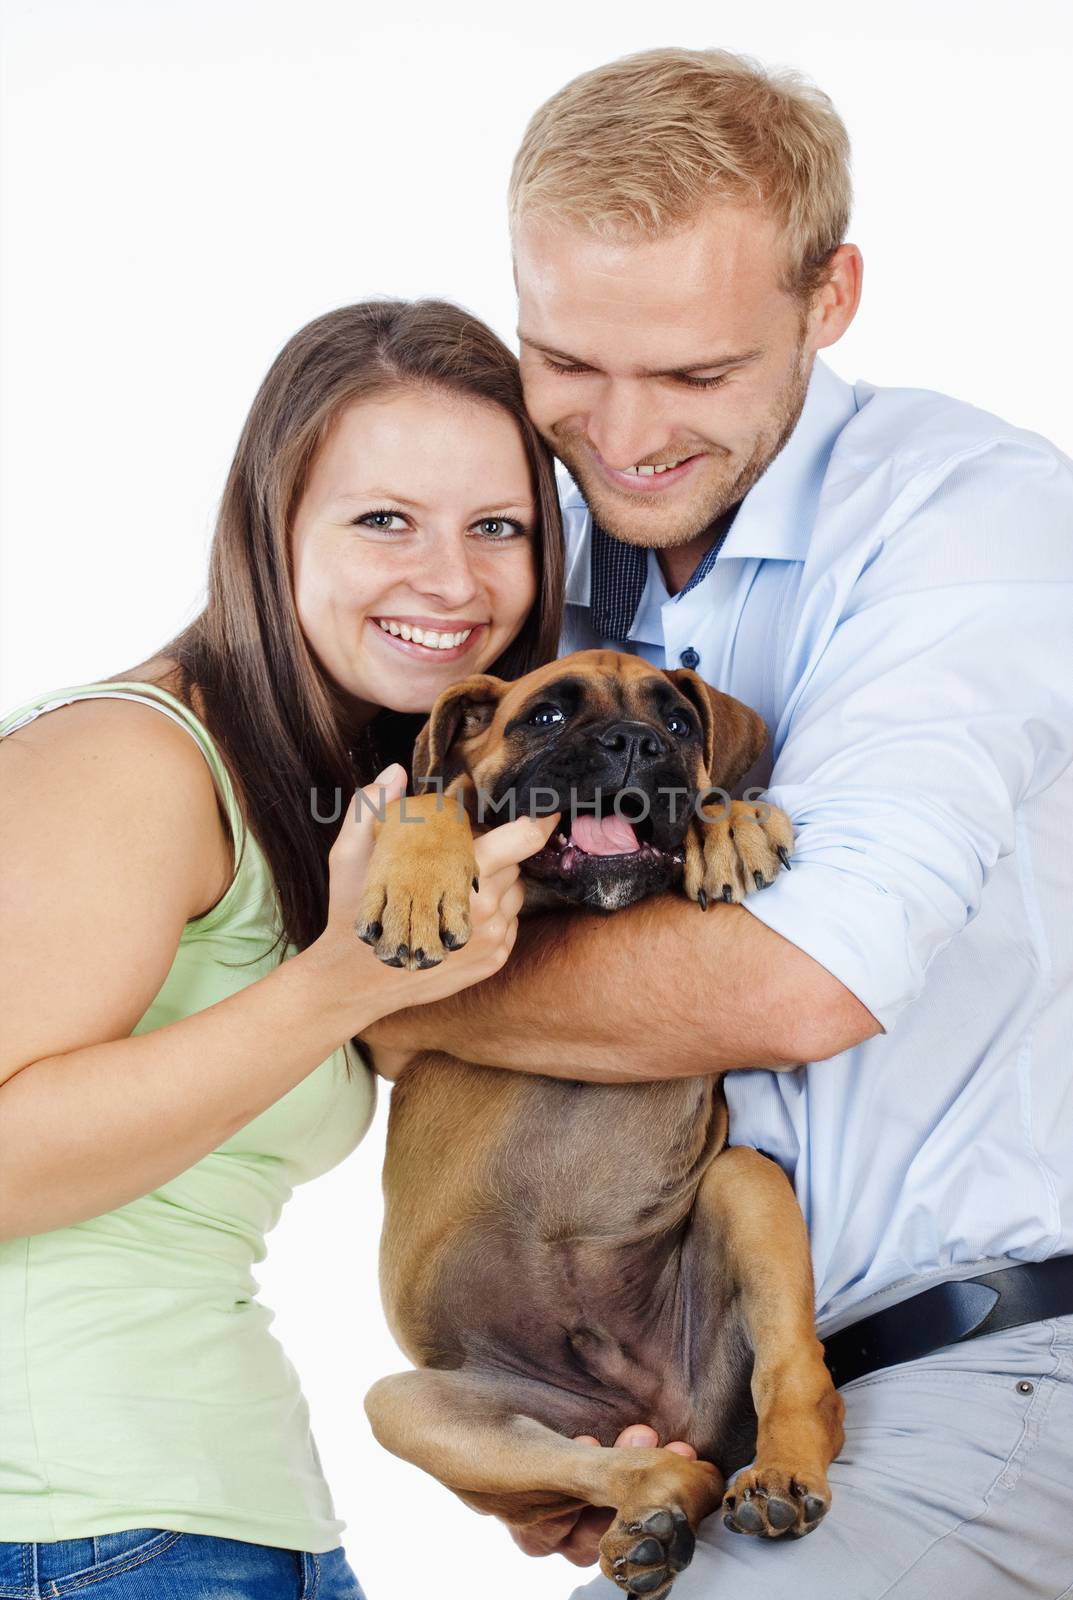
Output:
x=734 y=736
x=461 y=713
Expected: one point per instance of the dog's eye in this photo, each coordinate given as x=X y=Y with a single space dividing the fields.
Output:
x=545 y=716
x=679 y=725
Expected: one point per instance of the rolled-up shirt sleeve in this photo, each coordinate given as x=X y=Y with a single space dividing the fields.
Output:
x=935 y=704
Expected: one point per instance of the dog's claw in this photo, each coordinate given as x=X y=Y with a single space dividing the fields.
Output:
x=784 y=856
x=759 y=880
x=728 y=894
x=702 y=900
x=371 y=932
x=476 y=885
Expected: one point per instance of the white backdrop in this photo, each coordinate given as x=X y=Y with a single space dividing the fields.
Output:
x=185 y=182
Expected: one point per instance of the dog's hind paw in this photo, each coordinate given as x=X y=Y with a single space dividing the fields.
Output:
x=771 y=1505
x=644 y=1552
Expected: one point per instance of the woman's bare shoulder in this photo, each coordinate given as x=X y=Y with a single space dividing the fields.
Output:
x=117 y=765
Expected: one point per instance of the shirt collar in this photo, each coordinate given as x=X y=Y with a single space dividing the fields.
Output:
x=775 y=519
x=619 y=574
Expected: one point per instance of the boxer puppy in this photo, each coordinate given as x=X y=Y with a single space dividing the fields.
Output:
x=564 y=1258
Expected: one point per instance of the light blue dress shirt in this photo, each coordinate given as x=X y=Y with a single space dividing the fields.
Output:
x=895 y=597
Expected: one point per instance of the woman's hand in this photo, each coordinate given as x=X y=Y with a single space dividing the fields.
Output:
x=378 y=989
x=577 y=1536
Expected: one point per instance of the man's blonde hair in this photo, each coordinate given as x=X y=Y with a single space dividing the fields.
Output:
x=640 y=145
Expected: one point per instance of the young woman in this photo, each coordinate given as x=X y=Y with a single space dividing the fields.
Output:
x=181 y=976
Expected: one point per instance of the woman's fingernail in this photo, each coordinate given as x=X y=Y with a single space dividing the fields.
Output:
x=388 y=773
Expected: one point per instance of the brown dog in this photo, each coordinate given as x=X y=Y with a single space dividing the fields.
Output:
x=543 y=1287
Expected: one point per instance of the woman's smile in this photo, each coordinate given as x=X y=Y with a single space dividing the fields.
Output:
x=427 y=640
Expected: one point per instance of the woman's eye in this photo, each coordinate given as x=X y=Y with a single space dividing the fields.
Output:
x=498 y=528
x=546 y=716
x=384 y=521
x=679 y=725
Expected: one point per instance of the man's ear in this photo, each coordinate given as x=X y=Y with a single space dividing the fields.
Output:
x=734 y=736
x=461 y=713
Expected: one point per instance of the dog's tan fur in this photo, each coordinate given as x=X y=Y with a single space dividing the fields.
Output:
x=491 y=1173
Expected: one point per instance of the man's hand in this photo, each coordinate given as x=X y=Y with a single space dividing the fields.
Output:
x=388 y=1062
x=577 y=1536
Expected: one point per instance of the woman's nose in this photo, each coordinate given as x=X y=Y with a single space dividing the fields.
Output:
x=448 y=573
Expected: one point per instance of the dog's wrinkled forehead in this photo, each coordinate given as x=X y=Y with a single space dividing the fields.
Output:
x=602 y=683
x=484 y=725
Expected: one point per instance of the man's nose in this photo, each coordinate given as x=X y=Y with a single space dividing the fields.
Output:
x=623 y=427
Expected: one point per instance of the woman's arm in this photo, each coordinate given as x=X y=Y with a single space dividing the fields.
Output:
x=660 y=990
x=111 y=840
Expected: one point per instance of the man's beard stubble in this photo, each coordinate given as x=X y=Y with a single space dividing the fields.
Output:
x=718 y=499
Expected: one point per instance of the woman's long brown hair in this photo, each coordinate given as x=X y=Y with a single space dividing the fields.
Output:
x=278 y=720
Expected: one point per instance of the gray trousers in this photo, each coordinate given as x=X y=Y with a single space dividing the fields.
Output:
x=955 y=1483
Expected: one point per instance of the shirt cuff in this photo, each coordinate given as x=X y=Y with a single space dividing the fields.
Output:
x=853 y=928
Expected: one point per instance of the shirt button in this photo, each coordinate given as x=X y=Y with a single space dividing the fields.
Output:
x=690 y=658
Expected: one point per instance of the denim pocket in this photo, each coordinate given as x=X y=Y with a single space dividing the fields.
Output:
x=63 y=1569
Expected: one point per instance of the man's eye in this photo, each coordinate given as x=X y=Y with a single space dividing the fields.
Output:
x=499 y=528
x=545 y=716
x=568 y=368
x=384 y=521
x=679 y=725
x=703 y=383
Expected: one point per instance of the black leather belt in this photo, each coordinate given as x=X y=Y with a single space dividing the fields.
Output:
x=949 y=1313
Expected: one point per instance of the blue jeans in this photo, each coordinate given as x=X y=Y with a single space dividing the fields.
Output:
x=155 y=1564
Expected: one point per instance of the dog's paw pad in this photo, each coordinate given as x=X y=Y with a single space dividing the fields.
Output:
x=643 y=1554
x=770 y=1505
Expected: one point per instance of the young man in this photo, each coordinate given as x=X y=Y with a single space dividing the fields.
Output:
x=887 y=577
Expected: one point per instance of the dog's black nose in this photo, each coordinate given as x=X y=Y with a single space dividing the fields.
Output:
x=637 y=738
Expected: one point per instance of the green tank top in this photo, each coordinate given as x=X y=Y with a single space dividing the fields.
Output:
x=139 y=1383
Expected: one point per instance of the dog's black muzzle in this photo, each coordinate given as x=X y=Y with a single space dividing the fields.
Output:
x=623 y=768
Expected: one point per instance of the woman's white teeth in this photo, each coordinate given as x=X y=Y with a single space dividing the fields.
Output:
x=648 y=472
x=429 y=637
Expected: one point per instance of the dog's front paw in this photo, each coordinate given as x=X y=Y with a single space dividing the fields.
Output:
x=414 y=907
x=733 y=849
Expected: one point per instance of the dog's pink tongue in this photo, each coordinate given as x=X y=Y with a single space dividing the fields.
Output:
x=603 y=836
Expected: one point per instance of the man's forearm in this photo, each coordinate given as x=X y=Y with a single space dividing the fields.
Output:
x=661 y=990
